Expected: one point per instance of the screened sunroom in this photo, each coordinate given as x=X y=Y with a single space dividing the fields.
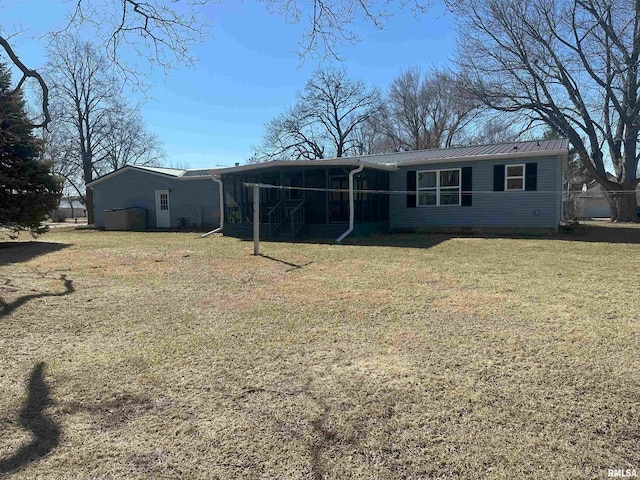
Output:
x=306 y=198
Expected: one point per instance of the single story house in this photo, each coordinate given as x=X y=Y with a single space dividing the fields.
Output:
x=515 y=185
x=172 y=198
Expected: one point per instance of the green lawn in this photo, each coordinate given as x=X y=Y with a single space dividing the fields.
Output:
x=411 y=356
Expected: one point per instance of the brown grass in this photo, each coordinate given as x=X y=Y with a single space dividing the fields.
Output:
x=170 y=356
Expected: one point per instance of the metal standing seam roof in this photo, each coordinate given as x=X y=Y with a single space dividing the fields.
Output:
x=179 y=172
x=203 y=172
x=390 y=161
x=474 y=151
x=385 y=161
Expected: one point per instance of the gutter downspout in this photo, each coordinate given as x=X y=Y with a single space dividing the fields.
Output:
x=216 y=178
x=351 y=203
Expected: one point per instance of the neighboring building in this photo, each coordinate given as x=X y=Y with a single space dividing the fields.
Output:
x=70 y=207
x=506 y=186
x=172 y=198
x=592 y=203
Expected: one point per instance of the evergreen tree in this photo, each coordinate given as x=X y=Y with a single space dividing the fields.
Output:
x=28 y=190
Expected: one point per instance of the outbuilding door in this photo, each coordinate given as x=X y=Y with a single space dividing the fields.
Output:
x=163 y=218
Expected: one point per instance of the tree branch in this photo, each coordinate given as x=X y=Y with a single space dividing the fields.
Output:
x=29 y=73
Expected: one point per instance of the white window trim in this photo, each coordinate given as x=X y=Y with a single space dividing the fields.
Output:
x=514 y=177
x=437 y=188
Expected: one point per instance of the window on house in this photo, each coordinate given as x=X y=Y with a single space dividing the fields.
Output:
x=438 y=187
x=514 y=177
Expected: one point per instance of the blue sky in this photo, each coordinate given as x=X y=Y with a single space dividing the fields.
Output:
x=248 y=72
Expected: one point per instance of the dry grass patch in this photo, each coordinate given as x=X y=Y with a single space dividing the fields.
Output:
x=170 y=356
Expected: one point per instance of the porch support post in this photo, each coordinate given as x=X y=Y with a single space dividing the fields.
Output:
x=256 y=220
x=327 y=194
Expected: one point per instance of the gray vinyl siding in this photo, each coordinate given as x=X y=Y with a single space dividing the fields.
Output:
x=519 y=209
x=137 y=189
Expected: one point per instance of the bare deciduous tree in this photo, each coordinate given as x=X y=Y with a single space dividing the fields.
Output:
x=571 y=64
x=160 y=31
x=62 y=154
x=81 y=85
x=128 y=141
x=427 y=110
x=491 y=127
x=94 y=130
x=324 y=120
x=291 y=135
x=369 y=137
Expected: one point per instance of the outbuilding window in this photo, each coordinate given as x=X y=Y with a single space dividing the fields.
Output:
x=514 y=177
x=438 y=187
x=164 y=201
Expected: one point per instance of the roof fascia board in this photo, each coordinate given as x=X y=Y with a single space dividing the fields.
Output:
x=285 y=163
x=348 y=162
x=379 y=166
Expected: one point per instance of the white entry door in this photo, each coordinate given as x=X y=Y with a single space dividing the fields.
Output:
x=163 y=218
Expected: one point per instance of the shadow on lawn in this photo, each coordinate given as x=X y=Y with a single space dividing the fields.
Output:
x=609 y=233
x=294 y=266
x=32 y=417
x=606 y=233
x=7 y=308
x=404 y=240
x=17 y=252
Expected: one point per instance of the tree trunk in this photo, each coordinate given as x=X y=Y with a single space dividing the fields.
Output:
x=623 y=204
x=88 y=194
x=89 y=204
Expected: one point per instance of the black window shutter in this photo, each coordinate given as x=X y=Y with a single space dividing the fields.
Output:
x=531 y=176
x=498 y=178
x=411 y=187
x=467 y=186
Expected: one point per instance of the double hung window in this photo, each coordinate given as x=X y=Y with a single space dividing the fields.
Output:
x=438 y=187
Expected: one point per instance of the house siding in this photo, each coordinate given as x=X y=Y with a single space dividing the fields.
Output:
x=541 y=208
x=137 y=189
